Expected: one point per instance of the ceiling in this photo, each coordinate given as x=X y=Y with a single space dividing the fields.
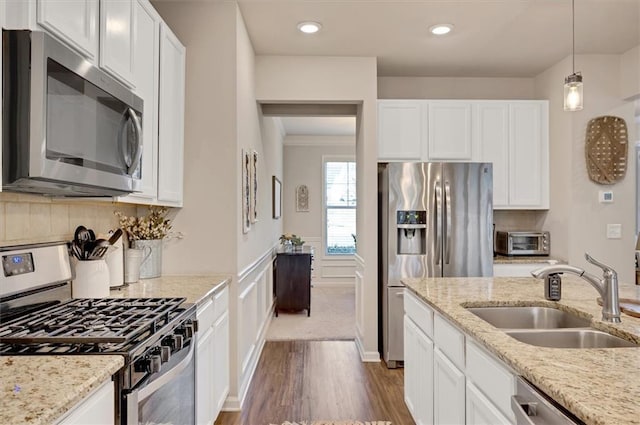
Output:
x=319 y=126
x=491 y=38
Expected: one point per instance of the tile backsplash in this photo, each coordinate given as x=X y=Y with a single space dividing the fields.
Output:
x=34 y=218
x=523 y=220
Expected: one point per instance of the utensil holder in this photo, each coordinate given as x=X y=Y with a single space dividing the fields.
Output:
x=115 y=262
x=91 y=279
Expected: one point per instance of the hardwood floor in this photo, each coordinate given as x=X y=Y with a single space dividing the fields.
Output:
x=320 y=380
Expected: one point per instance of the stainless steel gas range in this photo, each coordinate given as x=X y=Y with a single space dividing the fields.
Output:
x=156 y=336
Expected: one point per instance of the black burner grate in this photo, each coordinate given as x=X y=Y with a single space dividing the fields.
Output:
x=77 y=324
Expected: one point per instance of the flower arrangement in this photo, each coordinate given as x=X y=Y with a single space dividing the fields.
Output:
x=154 y=225
x=295 y=240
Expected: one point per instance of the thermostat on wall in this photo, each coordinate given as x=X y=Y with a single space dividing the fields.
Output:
x=606 y=196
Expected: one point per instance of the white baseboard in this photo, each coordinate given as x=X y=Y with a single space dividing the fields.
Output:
x=329 y=284
x=366 y=356
x=231 y=404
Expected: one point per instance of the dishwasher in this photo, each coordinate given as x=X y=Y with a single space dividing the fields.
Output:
x=532 y=407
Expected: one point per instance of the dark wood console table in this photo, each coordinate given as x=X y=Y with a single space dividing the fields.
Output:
x=292 y=284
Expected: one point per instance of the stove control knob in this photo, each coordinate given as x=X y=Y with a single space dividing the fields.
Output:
x=178 y=342
x=149 y=364
x=165 y=353
x=155 y=363
x=186 y=330
x=173 y=342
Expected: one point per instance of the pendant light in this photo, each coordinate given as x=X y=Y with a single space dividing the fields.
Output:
x=573 y=83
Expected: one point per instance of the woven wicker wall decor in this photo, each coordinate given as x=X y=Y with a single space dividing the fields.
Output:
x=606 y=149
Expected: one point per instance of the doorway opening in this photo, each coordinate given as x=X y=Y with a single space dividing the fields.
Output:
x=319 y=205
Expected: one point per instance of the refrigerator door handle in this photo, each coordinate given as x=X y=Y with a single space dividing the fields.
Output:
x=438 y=229
x=447 y=206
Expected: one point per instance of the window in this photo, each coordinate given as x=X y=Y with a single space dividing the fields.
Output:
x=340 y=206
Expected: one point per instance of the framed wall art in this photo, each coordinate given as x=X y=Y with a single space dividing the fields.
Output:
x=246 y=191
x=254 y=186
x=276 y=198
x=302 y=198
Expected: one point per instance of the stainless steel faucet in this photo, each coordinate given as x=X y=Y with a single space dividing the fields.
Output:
x=607 y=287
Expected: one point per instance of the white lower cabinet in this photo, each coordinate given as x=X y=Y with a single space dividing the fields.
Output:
x=212 y=360
x=448 y=391
x=450 y=379
x=221 y=359
x=418 y=373
x=98 y=408
x=480 y=411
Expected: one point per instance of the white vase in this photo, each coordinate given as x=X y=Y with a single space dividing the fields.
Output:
x=151 y=265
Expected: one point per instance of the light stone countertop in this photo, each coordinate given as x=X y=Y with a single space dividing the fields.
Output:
x=48 y=386
x=38 y=390
x=193 y=288
x=599 y=386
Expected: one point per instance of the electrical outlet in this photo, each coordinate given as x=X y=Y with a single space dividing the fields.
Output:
x=614 y=231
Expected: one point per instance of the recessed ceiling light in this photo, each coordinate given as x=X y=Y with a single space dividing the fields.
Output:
x=309 y=27
x=441 y=29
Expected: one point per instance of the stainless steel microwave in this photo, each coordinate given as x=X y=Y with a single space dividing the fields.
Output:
x=68 y=128
x=522 y=243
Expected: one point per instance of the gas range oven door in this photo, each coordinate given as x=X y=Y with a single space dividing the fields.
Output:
x=168 y=397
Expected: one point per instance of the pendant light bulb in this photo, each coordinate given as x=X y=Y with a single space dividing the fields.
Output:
x=573 y=96
x=573 y=92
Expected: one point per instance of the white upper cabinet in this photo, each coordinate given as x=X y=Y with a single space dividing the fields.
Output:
x=491 y=134
x=449 y=131
x=73 y=21
x=171 y=118
x=146 y=78
x=529 y=155
x=117 y=38
x=511 y=134
x=514 y=136
x=400 y=130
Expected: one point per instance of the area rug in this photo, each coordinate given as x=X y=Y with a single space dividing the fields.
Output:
x=338 y=423
x=332 y=318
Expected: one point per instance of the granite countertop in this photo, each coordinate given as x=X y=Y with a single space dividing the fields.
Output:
x=529 y=259
x=194 y=288
x=600 y=386
x=41 y=389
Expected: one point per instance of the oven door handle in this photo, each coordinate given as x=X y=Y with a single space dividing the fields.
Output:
x=168 y=376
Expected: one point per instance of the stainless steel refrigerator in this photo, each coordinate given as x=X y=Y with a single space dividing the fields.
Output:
x=435 y=220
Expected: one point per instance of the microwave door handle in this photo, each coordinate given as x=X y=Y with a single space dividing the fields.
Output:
x=137 y=130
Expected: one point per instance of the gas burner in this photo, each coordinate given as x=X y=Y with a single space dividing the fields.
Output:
x=92 y=321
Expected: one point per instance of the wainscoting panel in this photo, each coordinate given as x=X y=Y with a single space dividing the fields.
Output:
x=328 y=270
x=254 y=309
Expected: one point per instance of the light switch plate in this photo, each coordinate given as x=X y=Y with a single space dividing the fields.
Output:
x=614 y=231
x=605 y=196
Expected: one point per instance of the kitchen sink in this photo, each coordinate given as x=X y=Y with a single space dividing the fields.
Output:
x=529 y=317
x=570 y=338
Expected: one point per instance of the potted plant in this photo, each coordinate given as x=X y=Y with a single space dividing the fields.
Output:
x=146 y=233
x=291 y=242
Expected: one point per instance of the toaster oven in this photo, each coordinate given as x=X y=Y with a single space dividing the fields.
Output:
x=522 y=243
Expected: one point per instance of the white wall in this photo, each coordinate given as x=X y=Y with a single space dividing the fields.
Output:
x=455 y=88
x=318 y=79
x=209 y=212
x=221 y=118
x=303 y=164
x=576 y=219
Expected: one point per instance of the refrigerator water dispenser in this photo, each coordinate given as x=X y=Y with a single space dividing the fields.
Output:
x=412 y=229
